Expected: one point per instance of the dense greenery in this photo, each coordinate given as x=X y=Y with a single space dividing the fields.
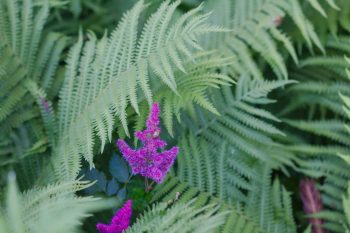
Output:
x=255 y=93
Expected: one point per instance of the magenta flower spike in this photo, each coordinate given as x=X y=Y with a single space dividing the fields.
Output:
x=120 y=222
x=148 y=161
x=312 y=203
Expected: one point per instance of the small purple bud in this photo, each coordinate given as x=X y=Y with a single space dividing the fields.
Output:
x=45 y=104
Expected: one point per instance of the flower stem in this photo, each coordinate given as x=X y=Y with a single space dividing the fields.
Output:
x=148 y=187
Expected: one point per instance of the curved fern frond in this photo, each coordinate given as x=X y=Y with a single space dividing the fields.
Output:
x=324 y=124
x=38 y=210
x=346 y=205
x=193 y=87
x=180 y=217
x=270 y=204
x=235 y=221
x=28 y=58
x=230 y=177
x=210 y=169
x=246 y=128
x=94 y=90
x=255 y=29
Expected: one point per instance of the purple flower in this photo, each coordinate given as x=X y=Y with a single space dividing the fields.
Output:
x=312 y=203
x=147 y=161
x=120 y=222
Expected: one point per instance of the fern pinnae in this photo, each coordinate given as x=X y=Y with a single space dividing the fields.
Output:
x=220 y=171
x=13 y=204
x=84 y=76
x=67 y=90
x=198 y=162
x=146 y=45
x=286 y=42
x=13 y=16
x=52 y=190
x=233 y=147
x=48 y=74
x=39 y=22
x=113 y=90
x=262 y=45
x=27 y=12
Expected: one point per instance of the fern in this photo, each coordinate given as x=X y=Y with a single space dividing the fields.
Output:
x=93 y=93
x=235 y=220
x=24 y=57
x=245 y=127
x=317 y=154
x=265 y=102
x=193 y=88
x=179 y=217
x=270 y=205
x=230 y=177
x=346 y=204
x=256 y=29
x=33 y=210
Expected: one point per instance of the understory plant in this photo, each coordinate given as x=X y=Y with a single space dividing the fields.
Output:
x=174 y=116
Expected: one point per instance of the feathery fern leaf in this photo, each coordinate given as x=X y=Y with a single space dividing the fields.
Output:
x=44 y=210
x=179 y=217
x=245 y=127
x=346 y=206
x=28 y=58
x=256 y=29
x=270 y=204
x=235 y=219
x=325 y=134
x=94 y=90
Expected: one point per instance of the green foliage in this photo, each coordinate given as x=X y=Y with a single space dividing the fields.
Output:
x=255 y=93
x=179 y=217
x=346 y=205
x=34 y=209
x=255 y=27
x=235 y=219
x=93 y=91
x=325 y=126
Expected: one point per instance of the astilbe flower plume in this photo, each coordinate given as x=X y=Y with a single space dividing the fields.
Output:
x=147 y=161
x=120 y=222
x=312 y=204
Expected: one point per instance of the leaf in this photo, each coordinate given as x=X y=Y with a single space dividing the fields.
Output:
x=119 y=168
x=122 y=194
x=99 y=177
x=308 y=229
x=112 y=187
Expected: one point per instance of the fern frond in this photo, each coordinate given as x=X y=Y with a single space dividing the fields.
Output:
x=245 y=128
x=346 y=205
x=234 y=221
x=193 y=87
x=270 y=204
x=179 y=217
x=44 y=210
x=255 y=29
x=326 y=122
x=332 y=129
x=25 y=62
x=95 y=93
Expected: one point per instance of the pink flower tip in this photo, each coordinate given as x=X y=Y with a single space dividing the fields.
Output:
x=120 y=221
x=150 y=160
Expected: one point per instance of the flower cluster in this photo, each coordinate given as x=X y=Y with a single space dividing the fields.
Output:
x=147 y=161
x=120 y=222
x=312 y=204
